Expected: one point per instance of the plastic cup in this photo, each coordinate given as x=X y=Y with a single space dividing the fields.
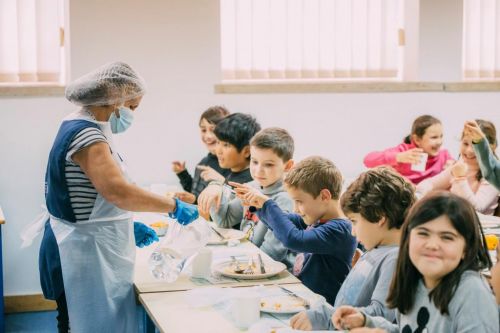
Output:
x=420 y=166
x=202 y=264
x=245 y=310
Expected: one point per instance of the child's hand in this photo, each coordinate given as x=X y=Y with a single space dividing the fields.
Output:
x=448 y=164
x=301 y=322
x=178 y=166
x=411 y=156
x=473 y=132
x=211 y=195
x=209 y=174
x=185 y=196
x=367 y=330
x=459 y=169
x=249 y=195
x=347 y=317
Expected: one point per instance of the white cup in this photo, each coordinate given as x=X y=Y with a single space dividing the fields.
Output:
x=202 y=264
x=420 y=166
x=245 y=310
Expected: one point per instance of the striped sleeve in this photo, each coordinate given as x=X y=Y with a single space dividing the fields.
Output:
x=86 y=137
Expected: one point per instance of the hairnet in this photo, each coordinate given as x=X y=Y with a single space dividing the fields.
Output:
x=113 y=83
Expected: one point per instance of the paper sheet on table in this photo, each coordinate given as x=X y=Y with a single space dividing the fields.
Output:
x=270 y=325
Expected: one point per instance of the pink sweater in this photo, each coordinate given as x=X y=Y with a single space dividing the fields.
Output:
x=481 y=194
x=435 y=164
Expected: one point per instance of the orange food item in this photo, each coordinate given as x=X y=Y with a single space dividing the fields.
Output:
x=491 y=242
x=159 y=224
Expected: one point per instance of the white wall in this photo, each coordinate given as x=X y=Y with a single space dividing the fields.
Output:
x=174 y=45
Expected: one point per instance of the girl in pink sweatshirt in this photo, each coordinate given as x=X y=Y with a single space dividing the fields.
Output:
x=426 y=138
x=464 y=178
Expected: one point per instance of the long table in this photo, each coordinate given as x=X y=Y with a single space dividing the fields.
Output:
x=154 y=294
x=171 y=312
x=145 y=283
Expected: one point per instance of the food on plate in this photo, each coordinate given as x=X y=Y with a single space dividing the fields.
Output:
x=160 y=227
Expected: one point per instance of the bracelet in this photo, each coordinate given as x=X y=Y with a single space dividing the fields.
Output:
x=216 y=182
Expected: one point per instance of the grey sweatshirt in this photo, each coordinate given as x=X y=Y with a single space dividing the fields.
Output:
x=366 y=287
x=471 y=310
x=231 y=212
x=489 y=164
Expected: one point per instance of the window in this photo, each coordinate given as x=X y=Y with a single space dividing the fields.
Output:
x=32 y=42
x=481 y=40
x=314 y=39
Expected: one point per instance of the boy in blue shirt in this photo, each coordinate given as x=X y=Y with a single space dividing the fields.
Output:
x=319 y=231
x=377 y=203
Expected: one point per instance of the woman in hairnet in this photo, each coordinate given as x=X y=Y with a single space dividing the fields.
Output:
x=88 y=248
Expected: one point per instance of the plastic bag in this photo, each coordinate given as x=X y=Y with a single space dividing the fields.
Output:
x=179 y=244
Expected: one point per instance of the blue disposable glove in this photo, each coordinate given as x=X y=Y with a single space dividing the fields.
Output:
x=144 y=235
x=184 y=213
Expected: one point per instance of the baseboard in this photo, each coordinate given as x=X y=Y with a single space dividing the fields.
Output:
x=27 y=303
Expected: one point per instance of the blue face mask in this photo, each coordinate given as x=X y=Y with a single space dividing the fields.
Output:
x=119 y=125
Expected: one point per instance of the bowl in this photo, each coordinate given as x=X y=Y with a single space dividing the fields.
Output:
x=159 y=227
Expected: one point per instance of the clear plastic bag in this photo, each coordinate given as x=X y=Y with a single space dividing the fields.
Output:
x=179 y=244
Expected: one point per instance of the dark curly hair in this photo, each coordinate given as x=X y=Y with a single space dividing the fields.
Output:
x=377 y=193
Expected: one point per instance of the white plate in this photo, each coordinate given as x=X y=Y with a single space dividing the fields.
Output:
x=230 y=234
x=283 y=304
x=226 y=268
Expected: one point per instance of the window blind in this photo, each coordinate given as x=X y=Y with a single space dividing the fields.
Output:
x=31 y=41
x=311 y=39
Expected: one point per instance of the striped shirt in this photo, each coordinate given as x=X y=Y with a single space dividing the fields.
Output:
x=81 y=191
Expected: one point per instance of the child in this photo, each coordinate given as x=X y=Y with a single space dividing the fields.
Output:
x=233 y=152
x=271 y=153
x=464 y=178
x=426 y=137
x=487 y=159
x=495 y=277
x=376 y=203
x=319 y=231
x=208 y=168
x=437 y=286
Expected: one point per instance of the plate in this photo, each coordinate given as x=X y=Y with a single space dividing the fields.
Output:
x=230 y=234
x=283 y=304
x=227 y=268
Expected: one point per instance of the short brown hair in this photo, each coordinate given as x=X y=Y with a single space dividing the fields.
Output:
x=314 y=174
x=214 y=114
x=276 y=139
x=377 y=193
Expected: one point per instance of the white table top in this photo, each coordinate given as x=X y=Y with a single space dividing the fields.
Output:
x=172 y=313
x=145 y=283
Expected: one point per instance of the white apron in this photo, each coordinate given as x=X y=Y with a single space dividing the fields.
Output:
x=97 y=260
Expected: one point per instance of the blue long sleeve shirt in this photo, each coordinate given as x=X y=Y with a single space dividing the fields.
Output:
x=328 y=248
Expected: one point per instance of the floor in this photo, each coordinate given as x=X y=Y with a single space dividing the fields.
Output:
x=41 y=322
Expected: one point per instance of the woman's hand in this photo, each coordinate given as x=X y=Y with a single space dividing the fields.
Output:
x=411 y=156
x=185 y=196
x=248 y=195
x=473 y=131
x=347 y=317
x=178 y=166
x=301 y=322
x=208 y=174
x=459 y=169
